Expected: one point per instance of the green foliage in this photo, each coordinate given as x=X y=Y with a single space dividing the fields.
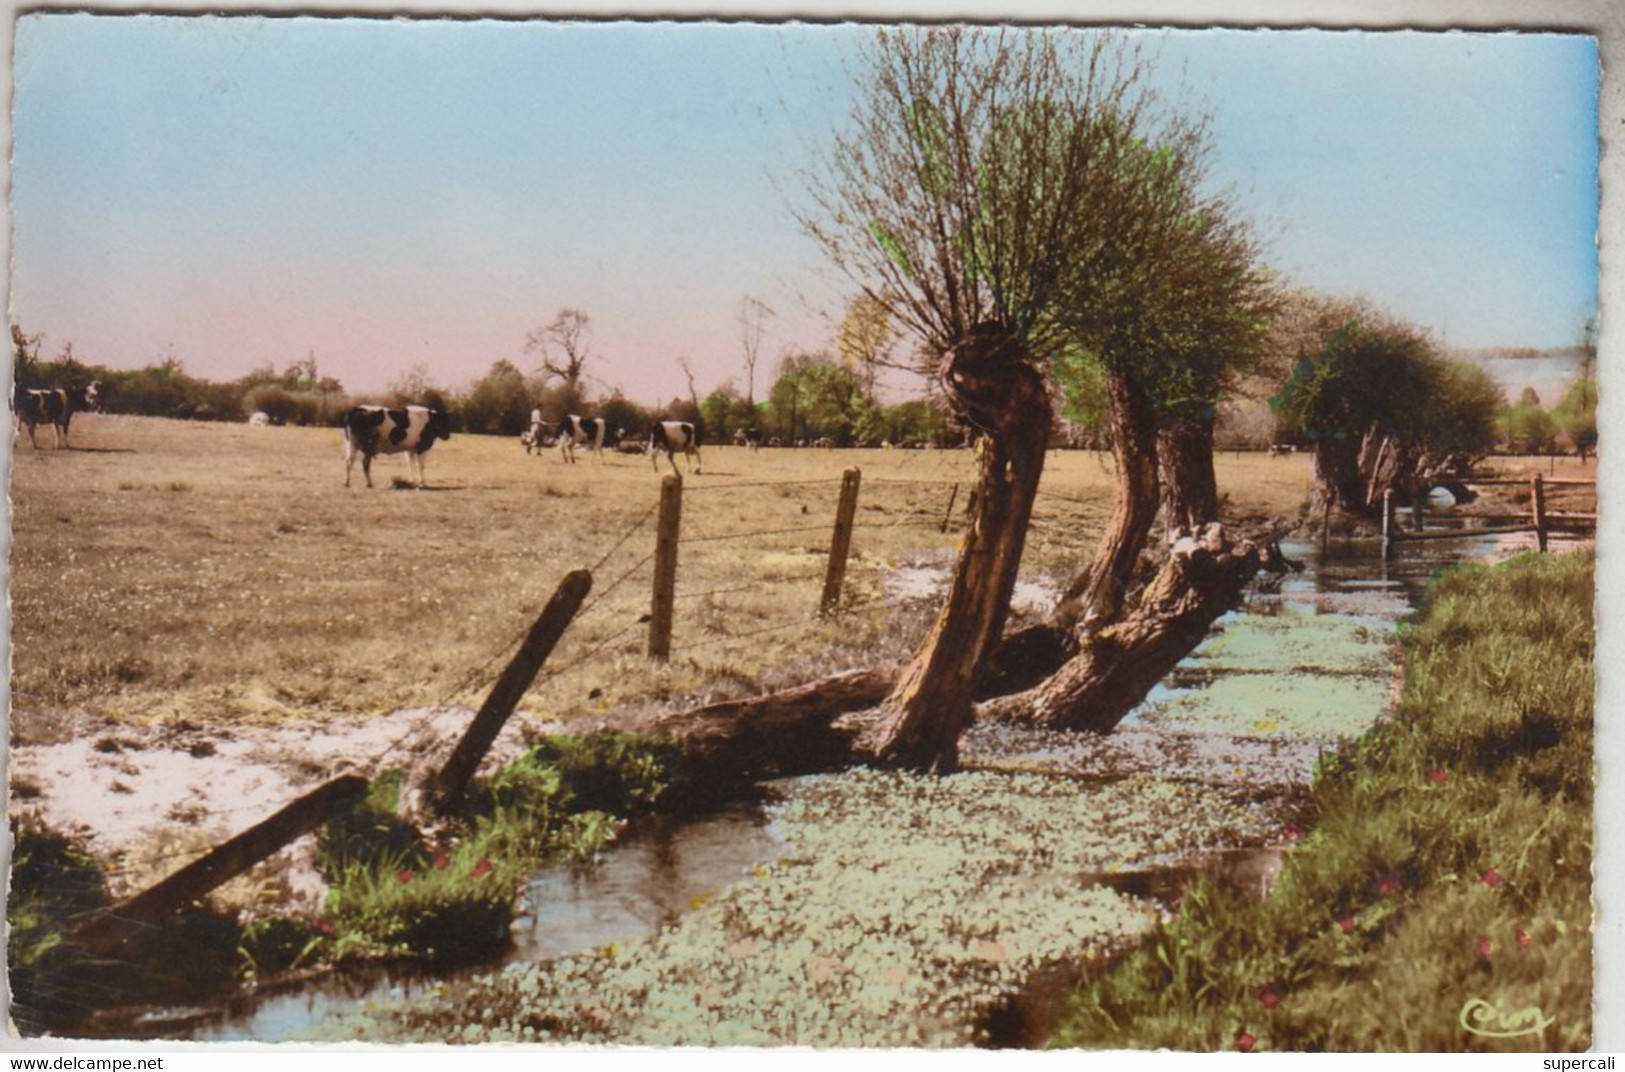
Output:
x=1366 y=373
x=1465 y=403
x=815 y=398
x=390 y=896
x=498 y=403
x=621 y=414
x=1526 y=428
x=290 y=407
x=1450 y=862
x=1576 y=415
x=55 y=983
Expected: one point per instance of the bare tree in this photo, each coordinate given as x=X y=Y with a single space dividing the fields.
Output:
x=754 y=313
x=564 y=346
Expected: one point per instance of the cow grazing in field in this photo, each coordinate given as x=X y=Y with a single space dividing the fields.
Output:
x=56 y=405
x=671 y=437
x=748 y=437
x=259 y=419
x=582 y=432
x=412 y=430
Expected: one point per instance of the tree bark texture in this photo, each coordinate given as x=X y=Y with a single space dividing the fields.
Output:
x=1337 y=474
x=1118 y=666
x=992 y=380
x=1133 y=421
x=1190 y=491
x=793 y=731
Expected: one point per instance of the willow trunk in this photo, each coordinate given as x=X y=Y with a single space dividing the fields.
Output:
x=992 y=380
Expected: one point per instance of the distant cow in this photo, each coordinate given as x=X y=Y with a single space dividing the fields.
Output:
x=748 y=437
x=370 y=430
x=259 y=419
x=671 y=437
x=56 y=405
x=582 y=431
x=1280 y=450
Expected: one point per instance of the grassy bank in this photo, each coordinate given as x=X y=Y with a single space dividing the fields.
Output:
x=1442 y=899
x=389 y=895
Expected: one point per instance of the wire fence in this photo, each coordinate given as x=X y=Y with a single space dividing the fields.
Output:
x=951 y=501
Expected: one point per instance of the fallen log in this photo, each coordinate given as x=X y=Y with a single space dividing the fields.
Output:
x=794 y=731
x=1116 y=667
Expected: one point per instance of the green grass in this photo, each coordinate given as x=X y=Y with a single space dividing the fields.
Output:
x=1448 y=873
x=389 y=894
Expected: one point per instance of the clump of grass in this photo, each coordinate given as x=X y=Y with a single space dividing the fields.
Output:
x=1448 y=873
x=55 y=886
x=391 y=896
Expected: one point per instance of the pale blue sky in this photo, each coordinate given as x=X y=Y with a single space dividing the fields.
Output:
x=389 y=193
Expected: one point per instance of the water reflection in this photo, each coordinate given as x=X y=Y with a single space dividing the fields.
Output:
x=654 y=874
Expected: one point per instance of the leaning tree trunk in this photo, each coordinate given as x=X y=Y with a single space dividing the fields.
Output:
x=1119 y=665
x=991 y=378
x=1190 y=491
x=1133 y=422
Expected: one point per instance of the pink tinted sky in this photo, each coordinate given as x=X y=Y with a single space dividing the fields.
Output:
x=384 y=194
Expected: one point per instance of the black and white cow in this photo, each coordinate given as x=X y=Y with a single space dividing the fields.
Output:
x=581 y=432
x=671 y=437
x=370 y=430
x=56 y=405
x=748 y=437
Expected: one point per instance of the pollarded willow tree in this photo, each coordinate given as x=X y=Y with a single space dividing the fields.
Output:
x=990 y=180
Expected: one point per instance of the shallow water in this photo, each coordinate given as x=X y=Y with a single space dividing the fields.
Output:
x=629 y=891
x=942 y=896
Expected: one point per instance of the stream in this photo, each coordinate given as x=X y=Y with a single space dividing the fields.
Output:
x=882 y=909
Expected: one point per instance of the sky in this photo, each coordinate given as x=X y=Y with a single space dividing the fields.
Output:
x=385 y=194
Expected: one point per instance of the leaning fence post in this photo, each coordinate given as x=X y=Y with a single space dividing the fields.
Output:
x=445 y=790
x=1537 y=508
x=106 y=931
x=840 y=542
x=1388 y=523
x=947 y=515
x=665 y=585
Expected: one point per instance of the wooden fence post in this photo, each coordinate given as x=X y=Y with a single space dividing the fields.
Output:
x=1325 y=523
x=444 y=791
x=1537 y=508
x=1388 y=527
x=665 y=586
x=947 y=515
x=840 y=541
x=105 y=932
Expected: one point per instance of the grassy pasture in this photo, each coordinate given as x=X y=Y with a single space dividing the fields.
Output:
x=224 y=573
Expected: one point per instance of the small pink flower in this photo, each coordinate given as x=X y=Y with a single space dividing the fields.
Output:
x=1245 y=1041
x=1438 y=776
x=321 y=926
x=1485 y=947
x=441 y=861
x=481 y=868
x=1269 y=997
x=1292 y=834
x=1492 y=878
x=1346 y=921
x=404 y=875
x=1524 y=941
x=1387 y=885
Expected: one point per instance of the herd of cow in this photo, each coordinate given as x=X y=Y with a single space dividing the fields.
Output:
x=412 y=430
